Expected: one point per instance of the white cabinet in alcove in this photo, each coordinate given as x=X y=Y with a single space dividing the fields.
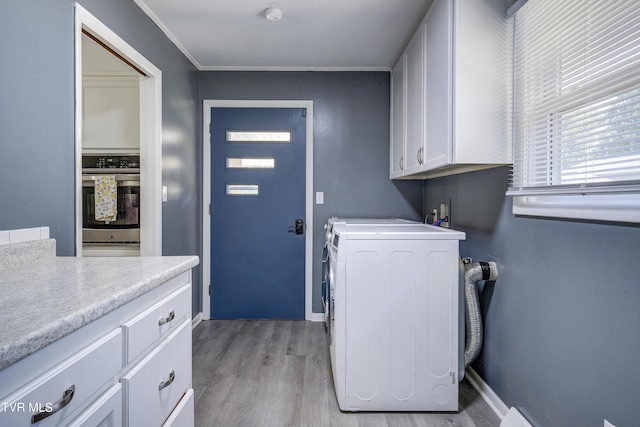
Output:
x=466 y=91
x=111 y=114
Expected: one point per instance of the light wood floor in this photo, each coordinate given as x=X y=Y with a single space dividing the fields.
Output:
x=277 y=373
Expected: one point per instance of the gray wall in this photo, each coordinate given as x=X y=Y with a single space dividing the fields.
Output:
x=351 y=142
x=37 y=120
x=561 y=320
x=36 y=124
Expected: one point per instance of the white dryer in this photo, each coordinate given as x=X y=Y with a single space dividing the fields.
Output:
x=328 y=227
x=326 y=254
x=394 y=324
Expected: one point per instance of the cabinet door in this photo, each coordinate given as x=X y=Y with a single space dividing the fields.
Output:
x=141 y=331
x=183 y=415
x=439 y=109
x=415 y=102
x=157 y=383
x=398 y=93
x=106 y=411
x=111 y=115
x=66 y=387
x=482 y=120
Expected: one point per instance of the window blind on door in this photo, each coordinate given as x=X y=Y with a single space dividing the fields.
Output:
x=576 y=98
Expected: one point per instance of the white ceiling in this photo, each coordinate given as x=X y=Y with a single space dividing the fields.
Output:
x=312 y=34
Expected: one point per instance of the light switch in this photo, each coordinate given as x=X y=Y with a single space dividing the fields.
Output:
x=319 y=198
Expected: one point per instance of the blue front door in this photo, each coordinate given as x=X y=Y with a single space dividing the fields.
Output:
x=257 y=208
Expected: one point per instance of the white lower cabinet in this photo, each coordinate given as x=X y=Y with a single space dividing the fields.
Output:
x=136 y=373
x=51 y=397
x=155 y=385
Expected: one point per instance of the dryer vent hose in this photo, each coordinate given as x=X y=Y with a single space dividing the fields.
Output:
x=473 y=273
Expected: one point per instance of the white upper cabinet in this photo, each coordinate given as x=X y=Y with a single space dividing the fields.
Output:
x=111 y=114
x=457 y=115
x=110 y=102
x=397 y=119
x=408 y=108
x=415 y=96
x=439 y=28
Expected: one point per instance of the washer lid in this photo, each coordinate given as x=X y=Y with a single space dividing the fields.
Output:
x=390 y=232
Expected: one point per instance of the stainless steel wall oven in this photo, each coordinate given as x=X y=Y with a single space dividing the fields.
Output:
x=123 y=231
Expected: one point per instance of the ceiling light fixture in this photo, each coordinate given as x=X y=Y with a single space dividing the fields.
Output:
x=273 y=14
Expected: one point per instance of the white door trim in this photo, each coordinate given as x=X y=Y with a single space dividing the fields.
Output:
x=206 y=195
x=150 y=132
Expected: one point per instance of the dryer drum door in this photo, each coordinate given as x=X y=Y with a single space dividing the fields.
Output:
x=330 y=298
x=326 y=292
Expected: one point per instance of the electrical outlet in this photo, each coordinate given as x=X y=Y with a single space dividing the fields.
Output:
x=445 y=212
x=607 y=423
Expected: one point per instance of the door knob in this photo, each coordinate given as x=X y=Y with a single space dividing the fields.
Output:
x=298 y=228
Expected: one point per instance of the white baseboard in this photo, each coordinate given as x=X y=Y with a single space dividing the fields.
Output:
x=317 y=317
x=515 y=419
x=489 y=396
x=196 y=320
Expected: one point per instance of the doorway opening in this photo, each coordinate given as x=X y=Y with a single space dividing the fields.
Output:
x=150 y=129
x=206 y=196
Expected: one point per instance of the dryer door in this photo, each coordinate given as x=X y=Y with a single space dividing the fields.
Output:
x=329 y=315
x=325 y=285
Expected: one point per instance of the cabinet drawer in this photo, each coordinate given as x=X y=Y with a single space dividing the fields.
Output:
x=64 y=388
x=155 y=385
x=183 y=415
x=105 y=411
x=141 y=331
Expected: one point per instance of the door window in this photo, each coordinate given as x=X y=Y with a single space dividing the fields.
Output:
x=251 y=163
x=258 y=136
x=243 y=190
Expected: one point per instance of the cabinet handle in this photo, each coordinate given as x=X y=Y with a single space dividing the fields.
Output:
x=66 y=399
x=420 y=156
x=163 y=384
x=401 y=163
x=167 y=319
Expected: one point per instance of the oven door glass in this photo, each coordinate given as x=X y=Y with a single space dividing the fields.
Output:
x=128 y=206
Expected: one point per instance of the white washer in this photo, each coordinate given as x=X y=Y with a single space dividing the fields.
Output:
x=394 y=324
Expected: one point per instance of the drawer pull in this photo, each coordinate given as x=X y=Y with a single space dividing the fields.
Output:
x=163 y=384
x=66 y=399
x=167 y=319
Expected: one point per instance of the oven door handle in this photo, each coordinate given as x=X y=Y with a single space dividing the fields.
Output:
x=121 y=181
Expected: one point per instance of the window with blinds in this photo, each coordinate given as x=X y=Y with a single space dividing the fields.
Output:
x=576 y=100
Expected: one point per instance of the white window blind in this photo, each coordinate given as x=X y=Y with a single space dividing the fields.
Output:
x=576 y=99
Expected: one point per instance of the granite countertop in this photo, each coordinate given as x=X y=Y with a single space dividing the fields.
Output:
x=48 y=299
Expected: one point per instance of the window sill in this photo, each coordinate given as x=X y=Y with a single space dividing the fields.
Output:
x=596 y=207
